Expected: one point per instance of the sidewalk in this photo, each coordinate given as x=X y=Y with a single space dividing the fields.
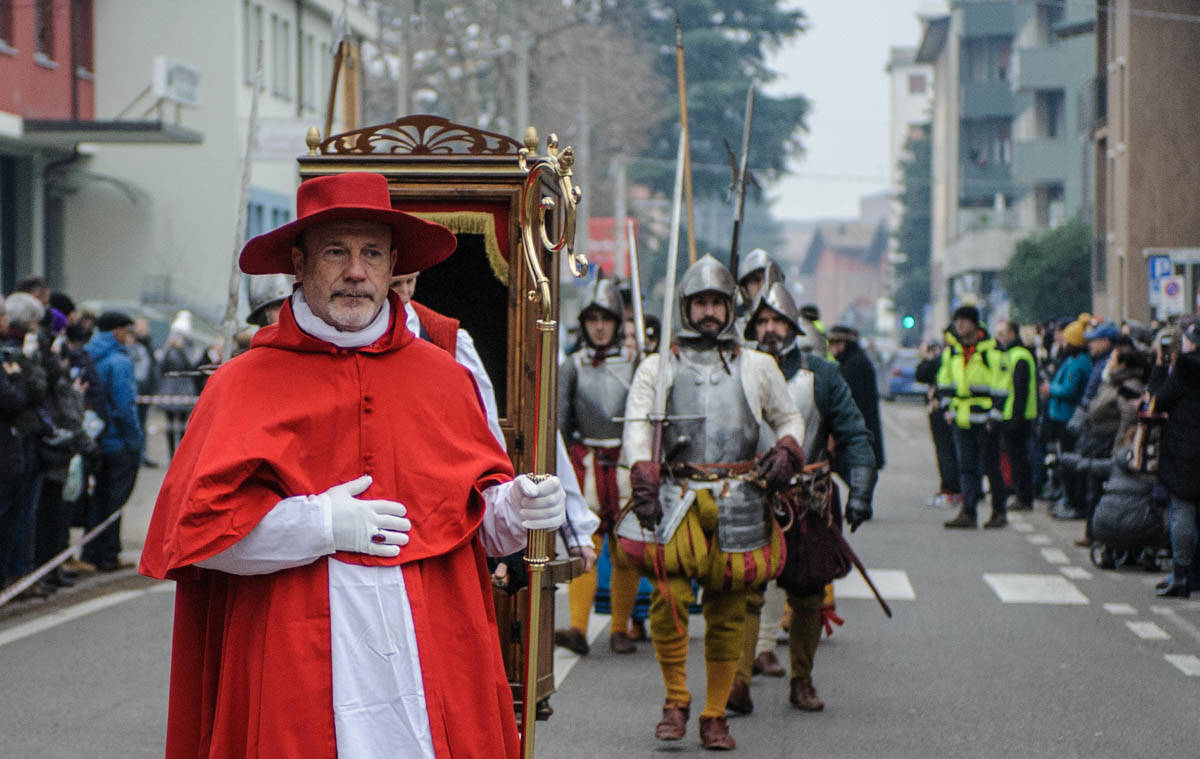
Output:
x=136 y=518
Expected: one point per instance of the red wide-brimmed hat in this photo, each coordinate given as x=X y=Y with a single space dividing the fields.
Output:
x=349 y=197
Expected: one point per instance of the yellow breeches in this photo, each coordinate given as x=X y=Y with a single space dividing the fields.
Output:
x=693 y=552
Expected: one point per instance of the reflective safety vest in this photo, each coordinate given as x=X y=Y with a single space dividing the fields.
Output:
x=974 y=389
x=1014 y=355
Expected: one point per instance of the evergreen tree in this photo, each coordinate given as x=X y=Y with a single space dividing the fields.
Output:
x=915 y=234
x=1049 y=275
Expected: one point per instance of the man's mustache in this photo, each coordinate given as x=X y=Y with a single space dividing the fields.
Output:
x=352 y=294
x=715 y=322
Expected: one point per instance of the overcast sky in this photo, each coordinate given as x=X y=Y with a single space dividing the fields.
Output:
x=839 y=65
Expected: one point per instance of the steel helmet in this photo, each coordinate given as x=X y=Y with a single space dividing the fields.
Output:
x=265 y=291
x=778 y=299
x=603 y=294
x=759 y=259
x=706 y=275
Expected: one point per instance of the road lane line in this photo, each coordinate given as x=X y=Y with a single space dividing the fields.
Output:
x=1180 y=622
x=1188 y=664
x=893 y=585
x=1148 y=630
x=1124 y=609
x=1055 y=556
x=56 y=618
x=1038 y=540
x=1075 y=573
x=1034 y=589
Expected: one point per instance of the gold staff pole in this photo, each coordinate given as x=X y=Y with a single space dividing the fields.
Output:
x=555 y=166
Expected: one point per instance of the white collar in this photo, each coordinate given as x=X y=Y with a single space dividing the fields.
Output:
x=322 y=330
x=411 y=320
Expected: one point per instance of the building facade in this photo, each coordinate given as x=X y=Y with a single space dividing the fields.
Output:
x=163 y=230
x=1008 y=156
x=1145 y=122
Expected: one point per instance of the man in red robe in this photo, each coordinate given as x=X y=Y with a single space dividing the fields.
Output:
x=327 y=515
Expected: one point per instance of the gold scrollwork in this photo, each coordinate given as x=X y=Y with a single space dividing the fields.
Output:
x=420 y=135
x=557 y=166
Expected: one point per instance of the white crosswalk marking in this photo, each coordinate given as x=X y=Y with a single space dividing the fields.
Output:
x=1188 y=664
x=1075 y=573
x=1148 y=631
x=1055 y=556
x=1038 y=540
x=1124 y=609
x=893 y=585
x=1034 y=589
x=1022 y=526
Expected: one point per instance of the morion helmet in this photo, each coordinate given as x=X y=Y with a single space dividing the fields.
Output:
x=778 y=299
x=603 y=294
x=759 y=259
x=266 y=290
x=707 y=274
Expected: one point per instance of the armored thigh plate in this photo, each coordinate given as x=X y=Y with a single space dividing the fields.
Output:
x=743 y=523
x=676 y=498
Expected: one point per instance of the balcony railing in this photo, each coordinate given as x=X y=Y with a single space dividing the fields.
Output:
x=1093 y=104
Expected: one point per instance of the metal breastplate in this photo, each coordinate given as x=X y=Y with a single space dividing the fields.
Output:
x=723 y=429
x=802 y=389
x=599 y=396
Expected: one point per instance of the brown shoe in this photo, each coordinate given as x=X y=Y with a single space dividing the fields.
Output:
x=637 y=630
x=714 y=734
x=739 y=698
x=621 y=644
x=768 y=664
x=572 y=640
x=804 y=696
x=673 y=724
x=1084 y=542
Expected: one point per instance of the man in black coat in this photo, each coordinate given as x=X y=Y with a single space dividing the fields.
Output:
x=859 y=374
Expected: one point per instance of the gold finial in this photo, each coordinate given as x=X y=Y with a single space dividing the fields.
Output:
x=531 y=139
x=313 y=140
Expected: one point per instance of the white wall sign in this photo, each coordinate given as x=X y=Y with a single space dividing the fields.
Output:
x=175 y=81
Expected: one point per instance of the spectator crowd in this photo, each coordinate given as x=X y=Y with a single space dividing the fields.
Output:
x=1100 y=420
x=72 y=433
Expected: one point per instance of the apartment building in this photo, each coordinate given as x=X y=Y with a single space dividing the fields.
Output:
x=1144 y=110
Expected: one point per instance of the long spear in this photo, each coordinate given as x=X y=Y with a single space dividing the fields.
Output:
x=681 y=77
x=740 y=177
x=635 y=284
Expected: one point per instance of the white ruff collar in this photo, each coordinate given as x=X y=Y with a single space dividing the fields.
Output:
x=322 y=330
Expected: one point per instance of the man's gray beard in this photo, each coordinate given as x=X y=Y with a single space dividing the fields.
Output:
x=772 y=344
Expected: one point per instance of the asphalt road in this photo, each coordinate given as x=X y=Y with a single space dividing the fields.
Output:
x=1004 y=643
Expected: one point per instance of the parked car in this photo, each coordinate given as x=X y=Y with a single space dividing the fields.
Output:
x=899 y=378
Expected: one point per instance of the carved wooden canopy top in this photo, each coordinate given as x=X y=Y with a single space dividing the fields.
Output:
x=420 y=135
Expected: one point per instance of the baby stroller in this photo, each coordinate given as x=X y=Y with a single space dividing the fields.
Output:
x=1129 y=525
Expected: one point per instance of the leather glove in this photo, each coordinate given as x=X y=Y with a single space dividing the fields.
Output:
x=862 y=488
x=1069 y=461
x=541 y=504
x=780 y=464
x=374 y=527
x=644 y=479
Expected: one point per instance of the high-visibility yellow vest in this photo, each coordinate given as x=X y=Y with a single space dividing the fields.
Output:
x=1012 y=356
x=974 y=389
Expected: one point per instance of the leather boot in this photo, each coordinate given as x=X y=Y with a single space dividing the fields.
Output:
x=572 y=640
x=714 y=734
x=621 y=644
x=963 y=521
x=804 y=696
x=1178 y=585
x=673 y=724
x=998 y=520
x=739 y=698
x=768 y=664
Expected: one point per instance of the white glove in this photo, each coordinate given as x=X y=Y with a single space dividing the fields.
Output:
x=541 y=505
x=365 y=526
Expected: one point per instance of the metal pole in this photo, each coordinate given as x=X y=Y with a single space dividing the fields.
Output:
x=635 y=284
x=681 y=77
x=619 y=244
x=229 y=325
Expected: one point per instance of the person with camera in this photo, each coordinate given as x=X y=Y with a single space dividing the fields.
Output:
x=1175 y=388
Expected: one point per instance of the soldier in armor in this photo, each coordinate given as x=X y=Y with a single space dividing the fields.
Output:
x=823 y=397
x=592 y=386
x=700 y=506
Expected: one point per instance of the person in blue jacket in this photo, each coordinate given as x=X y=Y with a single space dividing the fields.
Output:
x=122 y=441
x=1066 y=391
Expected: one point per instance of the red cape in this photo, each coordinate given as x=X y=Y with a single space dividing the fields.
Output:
x=250 y=670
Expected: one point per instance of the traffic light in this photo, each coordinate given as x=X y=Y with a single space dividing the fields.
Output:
x=909 y=321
